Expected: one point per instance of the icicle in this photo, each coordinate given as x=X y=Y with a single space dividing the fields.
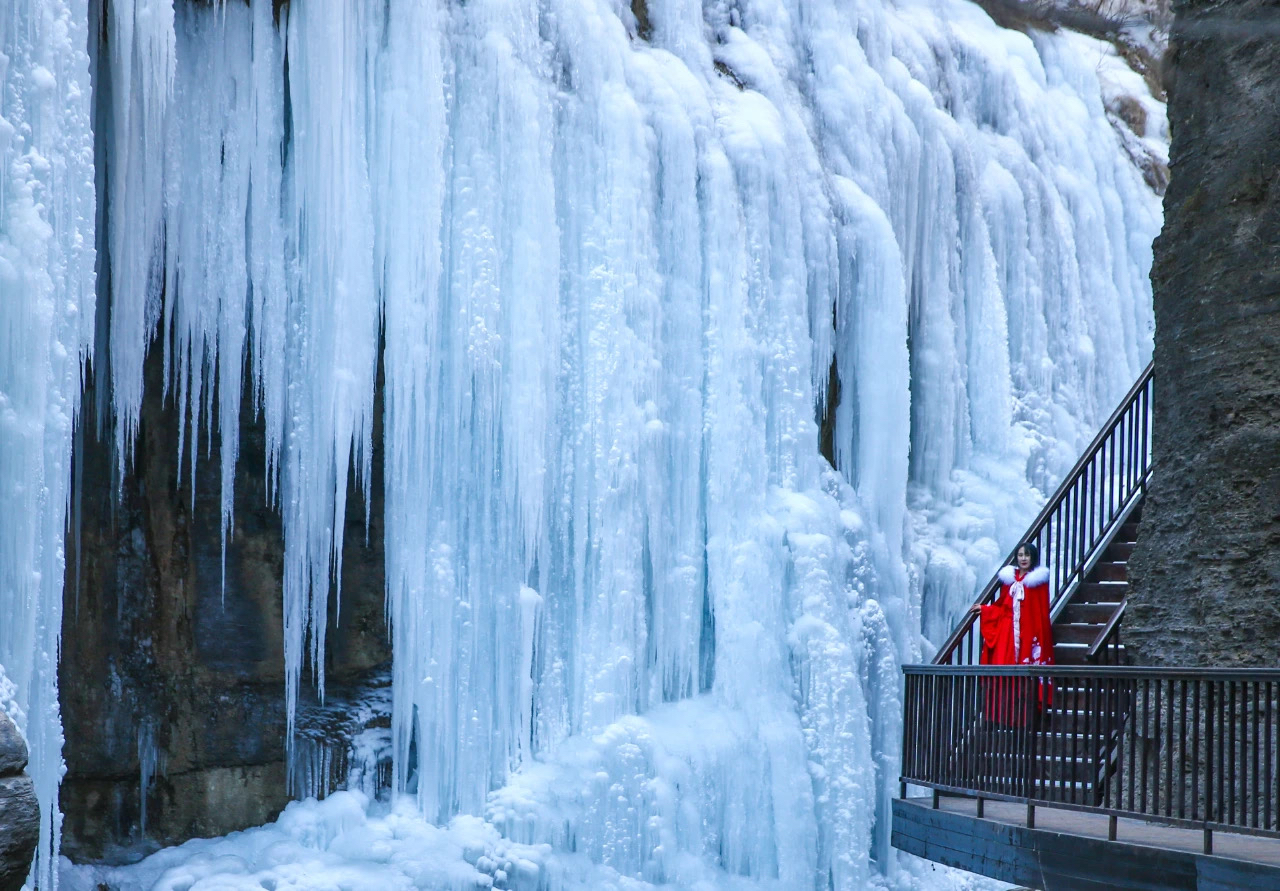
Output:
x=140 y=41
x=333 y=318
x=151 y=761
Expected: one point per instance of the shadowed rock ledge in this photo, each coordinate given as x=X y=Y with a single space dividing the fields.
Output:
x=172 y=683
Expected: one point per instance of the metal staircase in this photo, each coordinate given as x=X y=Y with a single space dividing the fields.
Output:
x=1085 y=533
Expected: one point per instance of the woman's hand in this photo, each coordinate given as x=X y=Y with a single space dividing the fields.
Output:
x=976 y=608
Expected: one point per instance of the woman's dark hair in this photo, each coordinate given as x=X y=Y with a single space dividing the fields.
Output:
x=1032 y=551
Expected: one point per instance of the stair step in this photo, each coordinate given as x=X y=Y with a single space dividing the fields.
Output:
x=1075 y=634
x=1059 y=742
x=1063 y=704
x=1050 y=736
x=1086 y=728
x=995 y=782
x=1076 y=654
x=1109 y=572
x=1064 y=708
x=1119 y=551
x=1128 y=531
x=1086 y=613
x=1081 y=760
x=1068 y=702
x=1101 y=592
x=1075 y=785
x=1070 y=654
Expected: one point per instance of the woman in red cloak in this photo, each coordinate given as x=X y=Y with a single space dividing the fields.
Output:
x=1016 y=629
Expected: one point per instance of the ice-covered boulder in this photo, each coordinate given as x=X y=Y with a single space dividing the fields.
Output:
x=13 y=748
x=19 y=812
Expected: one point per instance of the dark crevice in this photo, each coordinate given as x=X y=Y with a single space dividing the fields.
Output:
x=644 y=25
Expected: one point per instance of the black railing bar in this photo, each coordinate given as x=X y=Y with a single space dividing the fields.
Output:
x=1182 y=747
x=1214 y=826
x=1195 y=750
x=1254 y=710
x=1269 y=753
x=1071 y=738
x=1129 y=735
x=1121 y=672
x=1226 y=736
x=1145 y=764
x=1210 y=763
x=1037 y=525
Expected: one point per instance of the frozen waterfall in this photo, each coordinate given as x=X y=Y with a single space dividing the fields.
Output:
x=603 y=258
x=47 y=235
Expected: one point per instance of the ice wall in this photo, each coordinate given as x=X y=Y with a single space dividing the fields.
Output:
x=606 y=256
x=47 y=224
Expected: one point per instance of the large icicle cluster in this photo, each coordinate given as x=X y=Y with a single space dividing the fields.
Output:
x=46 y=330
x=606 y=256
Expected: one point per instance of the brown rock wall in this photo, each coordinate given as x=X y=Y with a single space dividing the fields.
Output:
x=155 y=646
x=1206 y=569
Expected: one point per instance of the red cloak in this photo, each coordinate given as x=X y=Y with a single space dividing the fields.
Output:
x=1031 y=641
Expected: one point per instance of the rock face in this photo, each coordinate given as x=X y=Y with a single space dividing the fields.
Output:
x=1206 y=570
x=19 y=812
x=172 y=686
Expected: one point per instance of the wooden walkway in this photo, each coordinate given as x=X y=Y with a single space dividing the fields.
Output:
x=1069 y=850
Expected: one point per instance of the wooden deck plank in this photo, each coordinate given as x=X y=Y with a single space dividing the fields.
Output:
x=1239 y=847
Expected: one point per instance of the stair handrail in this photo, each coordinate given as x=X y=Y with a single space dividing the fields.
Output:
x=1091 y=497
x=1107 y=638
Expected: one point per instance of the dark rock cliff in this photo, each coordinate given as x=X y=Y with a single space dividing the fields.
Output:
x=1206 y=570
x=165 y=675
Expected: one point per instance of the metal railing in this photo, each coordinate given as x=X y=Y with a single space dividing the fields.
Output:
x=1083 y=514
x=1187 y=747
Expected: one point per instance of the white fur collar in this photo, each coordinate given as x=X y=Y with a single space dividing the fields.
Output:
x=1036 y=577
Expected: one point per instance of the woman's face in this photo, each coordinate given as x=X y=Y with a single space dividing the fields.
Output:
x=1024 y=559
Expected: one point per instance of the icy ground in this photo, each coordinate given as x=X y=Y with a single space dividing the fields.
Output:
x=351 y=842
x=344 y=843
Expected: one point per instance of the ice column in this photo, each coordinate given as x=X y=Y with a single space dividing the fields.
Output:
x=46 y=330
x=138 y=82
